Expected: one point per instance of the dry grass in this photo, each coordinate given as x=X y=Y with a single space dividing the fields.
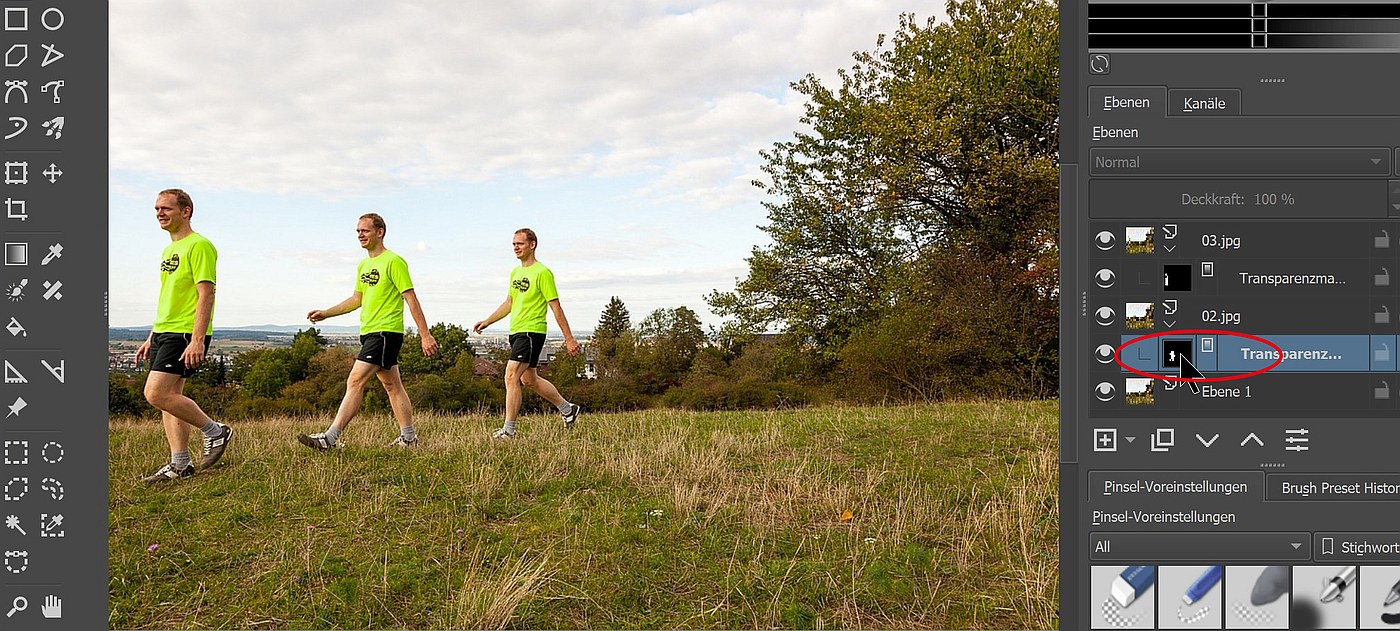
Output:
x=659 y=519
x=489 y=596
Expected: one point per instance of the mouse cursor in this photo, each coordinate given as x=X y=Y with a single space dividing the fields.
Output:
x=1187 y=370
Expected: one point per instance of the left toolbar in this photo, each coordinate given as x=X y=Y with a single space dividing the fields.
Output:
x=53 y=319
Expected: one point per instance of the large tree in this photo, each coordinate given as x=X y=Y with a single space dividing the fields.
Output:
x=942 y=141
x=615 y=320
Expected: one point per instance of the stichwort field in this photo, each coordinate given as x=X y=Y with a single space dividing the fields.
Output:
x=926 y=516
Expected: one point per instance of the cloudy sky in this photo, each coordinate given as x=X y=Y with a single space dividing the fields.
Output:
x=626 y=134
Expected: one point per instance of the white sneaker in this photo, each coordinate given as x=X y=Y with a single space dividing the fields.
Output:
x=317 y=441
x=502 y=433
x=168 y=473
x=572 y=416
x=214 y=447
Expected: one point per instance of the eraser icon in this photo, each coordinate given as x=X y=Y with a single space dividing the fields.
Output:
x=1132 y=583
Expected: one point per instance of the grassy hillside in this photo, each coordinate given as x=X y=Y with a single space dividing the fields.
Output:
x=937 y=516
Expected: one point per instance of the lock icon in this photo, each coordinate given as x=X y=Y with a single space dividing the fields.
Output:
x=1383 y=316
x=1382 y=354
x=1383 y=390
x=1383 y=242
x=1383 y=278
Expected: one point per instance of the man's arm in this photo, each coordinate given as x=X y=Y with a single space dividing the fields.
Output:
x=144 y=350
x=430 y=346
x=569 y=342
x=203 y=314
x=499 y=313
x=346 y=306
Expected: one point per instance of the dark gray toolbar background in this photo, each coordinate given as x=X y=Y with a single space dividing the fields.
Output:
x=70 y=211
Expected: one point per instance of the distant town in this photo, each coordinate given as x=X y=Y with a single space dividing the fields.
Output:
x=122 y=343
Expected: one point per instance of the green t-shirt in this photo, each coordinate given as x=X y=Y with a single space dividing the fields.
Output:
x=531 y=289
x=183 y=264
x=381 y=281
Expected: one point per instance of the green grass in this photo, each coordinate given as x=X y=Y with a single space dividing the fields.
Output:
x=657 y=519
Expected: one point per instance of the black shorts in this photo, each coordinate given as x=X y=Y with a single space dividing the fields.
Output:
x=166 y=349
x=381 y=349
x=525 y=348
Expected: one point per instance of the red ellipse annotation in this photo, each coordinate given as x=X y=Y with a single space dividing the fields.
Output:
x=1119 y=353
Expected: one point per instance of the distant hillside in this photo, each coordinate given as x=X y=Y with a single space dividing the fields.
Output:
x=263 y=332
x=254 y=333
x=343 y=329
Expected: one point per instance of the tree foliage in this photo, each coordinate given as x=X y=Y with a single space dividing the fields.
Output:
x=452 y=345
x=936 y=153
x=614 y=322
x=670 y=339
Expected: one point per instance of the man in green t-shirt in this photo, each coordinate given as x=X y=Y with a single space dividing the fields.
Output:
x=382 y=287
x=531 y=289
x=180 y=337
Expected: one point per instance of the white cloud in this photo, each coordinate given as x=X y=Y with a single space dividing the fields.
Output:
x=629 y=130
x=331 y=97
